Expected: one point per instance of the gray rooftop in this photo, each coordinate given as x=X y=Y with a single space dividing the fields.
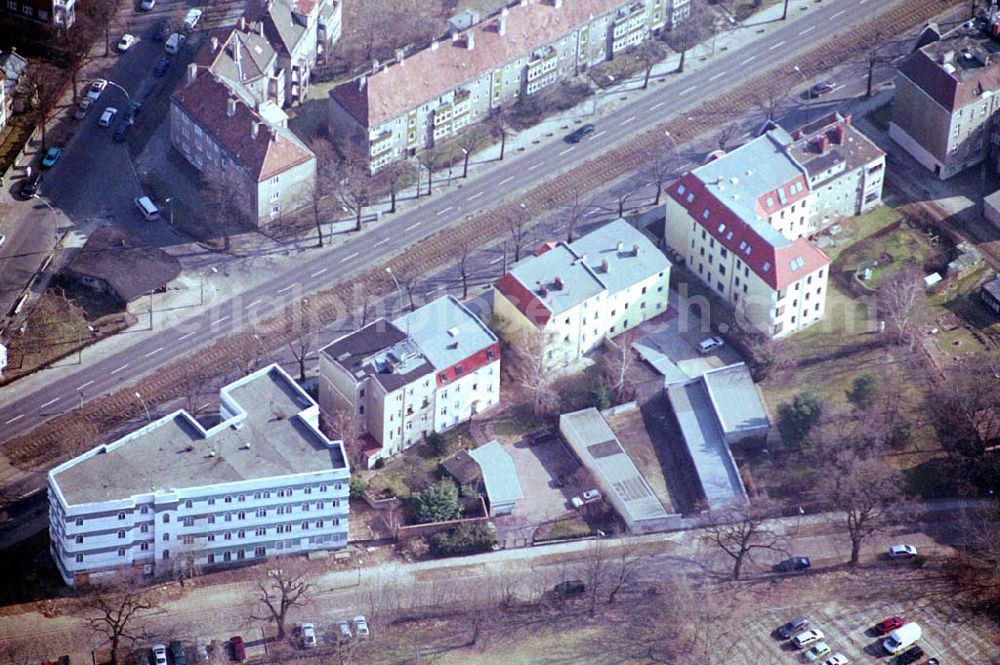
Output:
x=380 y=350
x=992 y=287
x=558 y=278
x=272 y=432
x=282 y=25
x=499 y=473
x=630 y=255
x=713 y=462
x=735 y=398
x=593 y=441
x=446 y=332
x=739 y=178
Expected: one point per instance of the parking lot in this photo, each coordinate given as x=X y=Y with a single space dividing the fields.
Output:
x=539 y=468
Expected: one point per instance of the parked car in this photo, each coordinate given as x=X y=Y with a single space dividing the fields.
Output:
x=177 y=653
x=31 y=186
x=83 y=108
x=161 y=67
x=795 y=563
x=96 y=88
x=808 y=637
x=192 y=18
x=239 y=649
x=570 y=588
x=174 y=43
x=836 y=659
x=361 y=627
x=911 y=655
x=888 y=625
x=121 y=132
x=147 y=5
x=902 y=638
x=579 y=134
x=793 y=627
x=3 y=239
x=308 y=636
x=160 y=654
x=820 y=89
x=817 y=651
x=902 y=551
x=589 y=496
x=344 y=631
x=711 y=344
x=125 y=43
x=52 y=156
x=108 y=116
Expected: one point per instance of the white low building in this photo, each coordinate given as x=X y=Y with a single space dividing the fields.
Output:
x=174 y=495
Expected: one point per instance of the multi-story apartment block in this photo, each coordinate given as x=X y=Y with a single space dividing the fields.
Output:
x=217 y=131
x=426 y=372
x=300 y=32
x=264 y=481
x=60 y=14
x=946 y=100
x=242 y=58
x=416 y=100
x=568 y=298
x=741 y=222
x=12 y=66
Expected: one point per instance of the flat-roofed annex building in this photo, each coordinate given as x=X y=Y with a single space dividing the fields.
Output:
x=173 y=494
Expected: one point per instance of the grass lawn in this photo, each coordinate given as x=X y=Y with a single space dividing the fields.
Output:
x=567 y=527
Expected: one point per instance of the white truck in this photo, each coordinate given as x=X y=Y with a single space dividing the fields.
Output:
x=902 y=638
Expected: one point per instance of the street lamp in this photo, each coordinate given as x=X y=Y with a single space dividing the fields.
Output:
x=79 y=345
x=808 y=93
x=399 y=290
x=170 y=201
x=201 y=285
x=138 y=396
x=55 y=215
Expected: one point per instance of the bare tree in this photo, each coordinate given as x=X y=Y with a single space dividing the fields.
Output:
x=301 y=347
x=42 y=82
x=250 y=353
x=649 y=53
x=101 y=13
x=697 y=27
x=116 y=611
x=392 y=178
x=963 y=406
x=660 y=163
x=573 y=212
x=594 y=570
x=727 y=133
x=226 y=200
x=193 y=387
x=345 y=426
x=617 y=362
x=629 y=189
x=464 y=262
x=529 y=367
x=517 y=226
x=281 y=590
x=860 y=488
x=769 y=102
x=355 y=186
x=499 y=121
x=976 y=569
x=739 y=529
x=430 y=160
x=469 y=141
x=323 y=184
x=874 y=58
x=409 y=279
x=902 y=301
x=623 y=568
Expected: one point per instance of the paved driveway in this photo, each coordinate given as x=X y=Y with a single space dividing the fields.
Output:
x=538 y=468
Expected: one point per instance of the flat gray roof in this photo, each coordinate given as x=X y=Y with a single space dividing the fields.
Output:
x=590 y=437
x=499 y=473
x=735 y=398
x=713 y=462
x=576 y=281
x=630 y=255
x=446 y=332
x=273 y=438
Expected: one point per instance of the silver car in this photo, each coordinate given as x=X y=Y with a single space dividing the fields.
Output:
x=361 y=627
x=344 y=630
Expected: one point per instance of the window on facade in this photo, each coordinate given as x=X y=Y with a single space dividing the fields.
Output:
x=259 y=551
x=145 y=509
x=261 y=531
x=188 y=521
x=211 y=537
x=166 y=518
x=241 y=497
x=79 y=521
x=211 y=558
x=305 y=526
x=308 y=490
x=166 y=536
x=262 y=512
x=228 y=499
x=144 y=547
x=143 y=528
x=211 y=501
x=188 y=540
x=227 y=536
x=305 y=507
x=79 y=558
x=79 y=539
x=241 y=534
x=211 y=519
x=121 y=516
x=319 y=524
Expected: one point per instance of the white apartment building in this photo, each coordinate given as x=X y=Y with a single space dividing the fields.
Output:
x=574 y=295
x=217 y=130
x=741 y=222
x=264 y=481
x=428 y=96
x=426 y=372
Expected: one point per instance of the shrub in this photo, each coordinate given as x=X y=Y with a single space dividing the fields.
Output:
x=863 y=391
x=600 y=396
x=797 y=419
x=469 y=492
x=379 y=463
x=438 y=444
x=463 y=539
x=437 y=503
x=358 y=486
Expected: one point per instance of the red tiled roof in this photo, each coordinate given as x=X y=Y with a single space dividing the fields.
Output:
x=522 y=298
x=270 y=153
x=429 y=73
x=779 y=273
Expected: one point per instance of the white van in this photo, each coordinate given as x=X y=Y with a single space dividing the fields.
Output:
x=147 y=208
x=174 y=43
x=902 y=638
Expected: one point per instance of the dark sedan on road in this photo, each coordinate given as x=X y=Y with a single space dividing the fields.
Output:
x=581 y=133
x=820 y=89
x=30 y=186
x=795 y=563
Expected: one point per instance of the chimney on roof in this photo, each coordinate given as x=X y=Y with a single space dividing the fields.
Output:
x=215 y=44
x=502 y=22
x=470 y=40
x=947 y=57
x=605 y=266
x=797 y=134
x=635 y=249
x=841 y=132
x=400 y=55
x=243 y=24
x=454 y=37
x=230 y=107
x=192 y=73
x=848 y=120
x=557 y=283
x=618 y=247
x=822 y=143
x=434 y=45
x=361 y=83
x=254 y=129
x=543 y=290
x=260 y=28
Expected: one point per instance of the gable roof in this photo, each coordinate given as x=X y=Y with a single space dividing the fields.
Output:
x=735 y=399
x=129 y=266
x=238 y=57
x=274 y=149
x=282 y=24
x=427 y=74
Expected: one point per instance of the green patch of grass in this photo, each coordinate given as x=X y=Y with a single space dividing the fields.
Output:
x=568 y=527
x=891 y=252
x=517 y=420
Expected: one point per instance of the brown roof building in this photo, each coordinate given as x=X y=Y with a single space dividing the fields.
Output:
x=118 y=263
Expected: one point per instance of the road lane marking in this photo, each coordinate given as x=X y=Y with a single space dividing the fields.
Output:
x=319 y=272
x=534 y=166
x=496 y=260
x=809 y=29
x=656 y=106
x=115 y=371
x=443 y=211
x=413 y=226
x=85 y=385
x=687 y=90
x=288 y=288
x=225 y=318
x=505 y=180
x=715 y=76
x=348 y=258
x=591 y=212
x=49 y=403
x=186 y=335
x=382 y=241
x=594 y=136
x=14 y=419
x=749 y=58
x=626 y=121
x=476 y=195
x=862 y=2
x=569 y=149
x=778 y=45
x=257 y=301
x=842 y=11
x=153 y=352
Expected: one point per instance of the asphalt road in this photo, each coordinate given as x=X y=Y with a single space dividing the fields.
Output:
x=516 y=173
